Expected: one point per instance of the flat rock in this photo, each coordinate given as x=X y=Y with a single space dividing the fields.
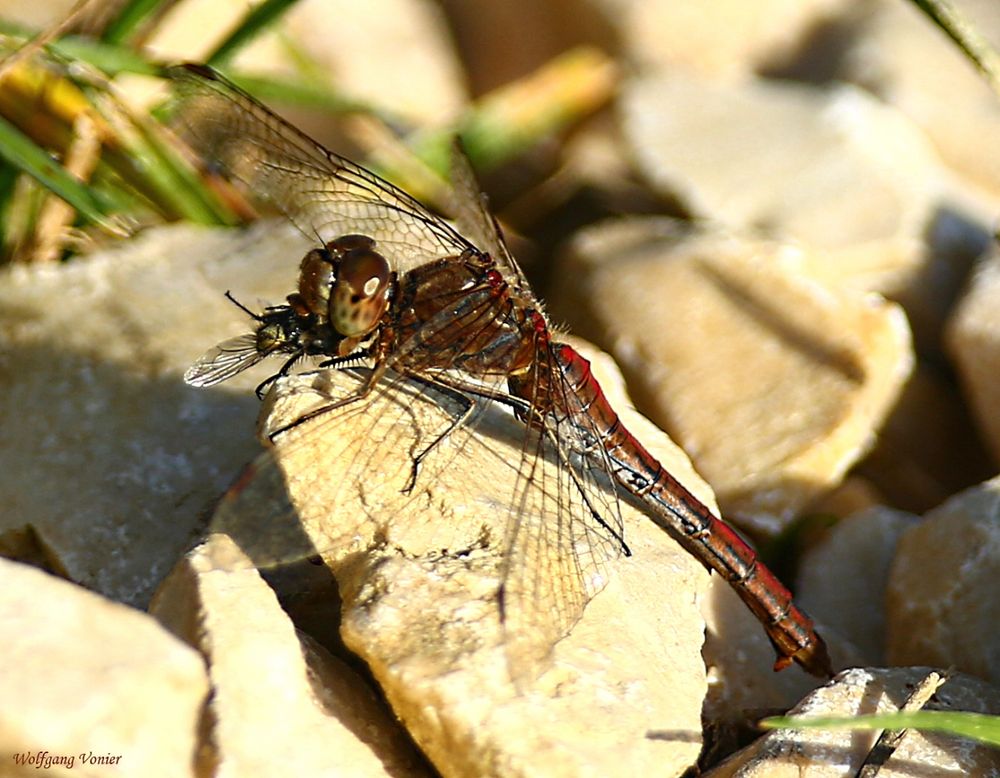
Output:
x=930 y=446
x=797 y=163
x=773 y=383
x=723 y=39
x=362 y=49
x=107 y=455
x=838 y=752
x=419 y=574
x=897 y=53
x=281 y=704
x=856 y=553
x=86 y=679
x=941 y=602
x=973 y=340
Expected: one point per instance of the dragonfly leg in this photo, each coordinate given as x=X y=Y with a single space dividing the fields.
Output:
x=362 y=392
x=262 y=386
x=468 y=406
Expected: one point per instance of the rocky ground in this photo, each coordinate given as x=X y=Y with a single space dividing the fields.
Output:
x=806 y=303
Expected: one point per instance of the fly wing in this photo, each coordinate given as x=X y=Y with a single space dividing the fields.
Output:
x=324 y=194
x=223 y=361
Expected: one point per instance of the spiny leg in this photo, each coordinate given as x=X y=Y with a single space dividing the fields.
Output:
x=458 y=396
x=362 y=392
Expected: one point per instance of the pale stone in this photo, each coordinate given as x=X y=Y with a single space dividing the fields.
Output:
x=942 y=605
x=362 y=47
x=854 y=493
x=842 y=581
x=837 y=752
x=773 y=383
x=281 y=705
x=721 y=38
x=106 y=454
x=740 y=661
x=900 y=55
x=87 y=678
x=851 y=179
x=929 y=447
x=36 y=14
x=419 y=576
x=973 y=339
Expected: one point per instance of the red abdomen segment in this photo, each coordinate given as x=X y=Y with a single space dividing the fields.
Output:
x=679 y=512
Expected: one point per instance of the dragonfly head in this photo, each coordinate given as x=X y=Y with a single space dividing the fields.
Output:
x=361 y=286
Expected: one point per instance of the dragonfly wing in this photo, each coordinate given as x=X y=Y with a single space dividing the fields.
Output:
x=470 y=210
x=324 y=194
x=553 y=568
x=348 y=467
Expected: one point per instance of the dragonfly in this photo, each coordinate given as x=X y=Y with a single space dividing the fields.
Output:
x=398 y=295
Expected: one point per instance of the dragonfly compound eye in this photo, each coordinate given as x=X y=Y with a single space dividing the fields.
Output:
x=315 y=279
x=361 y=293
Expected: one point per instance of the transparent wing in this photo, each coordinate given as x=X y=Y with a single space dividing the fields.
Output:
x=486 y=483
x=324 y=194
x=223 y=361
x=553 y=569
x=472 y=215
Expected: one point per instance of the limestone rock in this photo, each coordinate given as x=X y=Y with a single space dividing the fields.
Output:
x=280 y=704
x=106 y=453
x=929 y=447
x=774 y=384
x=836 y=752
x=721 y=38
x=797 y=163
x=85 y=678
x=899 y=55
x=973 y=340
x=942 y=605
x=843 y=579
x=363 y=48
x=419 y=574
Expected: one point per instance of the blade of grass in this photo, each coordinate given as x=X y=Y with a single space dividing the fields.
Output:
x=110 y=58
x=130 y=18
x=8 y=180
x=510 y=120
x=978 y=726
x=255 y=22
x=21 y=152
x=957 y=27
x=169 y=182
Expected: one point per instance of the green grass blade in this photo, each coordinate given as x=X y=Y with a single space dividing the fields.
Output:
x=110 y=58
x=978 y=726
x=956 y=26
x=19 y=150
x=255 y=22
x=129 y=19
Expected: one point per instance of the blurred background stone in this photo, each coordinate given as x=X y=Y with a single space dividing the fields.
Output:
x=852 y=181
x=941 y=606
x=974 y=345
x=857 y=554
x=773 y=383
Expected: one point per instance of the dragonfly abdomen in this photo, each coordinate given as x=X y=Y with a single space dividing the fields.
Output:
x=678 y=511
